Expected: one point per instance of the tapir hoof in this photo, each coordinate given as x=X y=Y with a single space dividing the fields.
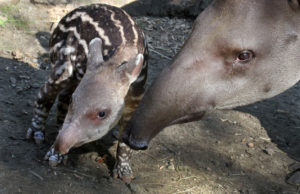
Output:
x=125 y=177
x=39 y=137
x=55 y=158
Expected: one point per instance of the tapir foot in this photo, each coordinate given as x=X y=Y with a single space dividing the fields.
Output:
x=38 y=136
x=123 y=171
x=55 y=158
x=122 y=167
x=294 y=177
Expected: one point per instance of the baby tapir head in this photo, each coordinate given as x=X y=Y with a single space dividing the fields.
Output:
x=98 y=101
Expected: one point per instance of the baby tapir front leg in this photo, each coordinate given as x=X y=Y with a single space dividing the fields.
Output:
x=122 y=167
x=60 y=82
x=46 y=98
x=64 y=99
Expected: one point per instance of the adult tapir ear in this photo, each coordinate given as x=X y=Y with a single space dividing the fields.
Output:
x=294 y=4
x=95 y=56
x=132 y=68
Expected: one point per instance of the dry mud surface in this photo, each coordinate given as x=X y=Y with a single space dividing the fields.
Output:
x=247 y=150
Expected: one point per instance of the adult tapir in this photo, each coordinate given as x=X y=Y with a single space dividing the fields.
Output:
x=239 y=52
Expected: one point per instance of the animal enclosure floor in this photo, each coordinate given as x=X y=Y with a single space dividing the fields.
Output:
x=247 y=150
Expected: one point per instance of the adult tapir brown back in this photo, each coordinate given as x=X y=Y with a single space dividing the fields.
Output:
x=238 y=52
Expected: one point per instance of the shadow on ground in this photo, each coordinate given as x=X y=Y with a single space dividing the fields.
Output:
x=171 y=8
x=280 y=116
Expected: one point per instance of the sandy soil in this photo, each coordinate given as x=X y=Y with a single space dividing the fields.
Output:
x=247 y=150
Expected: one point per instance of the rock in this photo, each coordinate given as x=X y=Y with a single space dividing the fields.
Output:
x=294 y=178
x=26 y=77
x=13 y=81
x=269 y=151
x=17 y=54
x=171 y=167
x=250 y=145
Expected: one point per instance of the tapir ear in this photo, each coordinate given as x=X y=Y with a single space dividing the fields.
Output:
x=95 y=56
x=132 y=68
x=294 y=4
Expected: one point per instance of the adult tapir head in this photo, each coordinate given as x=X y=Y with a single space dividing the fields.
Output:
x=238 y=52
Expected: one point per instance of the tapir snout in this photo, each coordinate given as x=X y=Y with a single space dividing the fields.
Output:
x=239 y=52
x=66 y=139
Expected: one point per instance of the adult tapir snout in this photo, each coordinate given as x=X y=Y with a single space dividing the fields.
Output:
x=133 y=142
x=137 y=144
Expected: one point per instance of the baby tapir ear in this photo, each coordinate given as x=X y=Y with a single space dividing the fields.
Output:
x=294 y=4
x=95 y=56
x=133 y=68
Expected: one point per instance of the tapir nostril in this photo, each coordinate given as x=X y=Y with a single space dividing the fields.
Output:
x=137 y=145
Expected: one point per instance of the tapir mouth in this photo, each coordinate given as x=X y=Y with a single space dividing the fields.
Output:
x=141 y=143
x=189 y=118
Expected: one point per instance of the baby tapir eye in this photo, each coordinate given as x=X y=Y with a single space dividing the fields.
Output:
x=97 y=115
x=245 y=56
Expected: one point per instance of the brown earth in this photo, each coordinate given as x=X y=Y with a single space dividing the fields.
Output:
x=247 y=150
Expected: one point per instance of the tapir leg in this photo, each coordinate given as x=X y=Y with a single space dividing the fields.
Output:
x=45 y=100
x=136 y=92
x=122 y=167
x=64 y=99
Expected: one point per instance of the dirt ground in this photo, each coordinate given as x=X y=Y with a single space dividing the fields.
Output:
x=247 y=150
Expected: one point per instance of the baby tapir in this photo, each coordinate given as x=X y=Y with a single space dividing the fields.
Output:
x=99 y=60
x=239 y=52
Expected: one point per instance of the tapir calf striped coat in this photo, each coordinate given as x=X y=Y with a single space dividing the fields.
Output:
x=99 y=65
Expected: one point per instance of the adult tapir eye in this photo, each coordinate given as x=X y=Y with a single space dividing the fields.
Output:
x=245 y=56
x=102 y=114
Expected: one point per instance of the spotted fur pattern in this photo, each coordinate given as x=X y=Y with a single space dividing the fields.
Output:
x=68 y=53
